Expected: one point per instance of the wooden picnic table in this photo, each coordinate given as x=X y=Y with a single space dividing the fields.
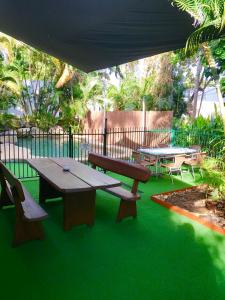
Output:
x=77 y=186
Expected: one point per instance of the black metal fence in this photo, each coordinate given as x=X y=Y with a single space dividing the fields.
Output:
x=17 y=146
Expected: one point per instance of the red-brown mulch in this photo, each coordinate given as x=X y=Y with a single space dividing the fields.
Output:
x=196 y=201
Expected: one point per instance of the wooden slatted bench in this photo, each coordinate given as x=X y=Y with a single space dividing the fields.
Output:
x=128 y=199
x=29 y=213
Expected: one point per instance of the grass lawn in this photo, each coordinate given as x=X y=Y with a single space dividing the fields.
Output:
x=159 y=255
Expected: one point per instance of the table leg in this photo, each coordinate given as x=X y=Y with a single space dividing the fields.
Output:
x=5 y=193
x=4 y=198
x=79 y=208
x=156 y=166
x=46 y=191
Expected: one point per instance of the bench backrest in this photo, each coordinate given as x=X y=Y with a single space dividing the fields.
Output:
x=131 y=170
x=13 y=191
x=14 y=186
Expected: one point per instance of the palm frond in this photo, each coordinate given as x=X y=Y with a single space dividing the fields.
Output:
x=8 y=78
x=209 y=15
x=223 y=18
x=10 y=86
x=190 y=6
x=217 y=7
x=202 y=34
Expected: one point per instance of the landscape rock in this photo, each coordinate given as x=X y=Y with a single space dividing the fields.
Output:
x=199 y=203
x=56 y=130
x=37 y=132
x=23 y=132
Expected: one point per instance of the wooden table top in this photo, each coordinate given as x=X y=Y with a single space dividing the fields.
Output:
x=80 y=177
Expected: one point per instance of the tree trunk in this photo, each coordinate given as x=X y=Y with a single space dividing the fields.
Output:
x=66 y=76
x=203 y=93
x=197 y=86
x=220 y=98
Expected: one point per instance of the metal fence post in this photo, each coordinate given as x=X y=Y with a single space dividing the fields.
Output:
x=172 y=137
x=105 y=133
x=70 y=143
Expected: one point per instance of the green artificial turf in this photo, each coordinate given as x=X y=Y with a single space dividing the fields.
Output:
x=159 y=255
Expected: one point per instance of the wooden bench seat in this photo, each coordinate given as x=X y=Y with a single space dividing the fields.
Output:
x=29 y=213
x=122 y=193
x=32 y=211
x=127 y=198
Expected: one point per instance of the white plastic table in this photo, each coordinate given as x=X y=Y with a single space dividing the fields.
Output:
x=165 y=152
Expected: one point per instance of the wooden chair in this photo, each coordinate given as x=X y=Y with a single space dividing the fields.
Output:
x=196 y=163
x=196 y=147
x=137 y=172
x=175 y=166
x=166 y=158
x=193 y=155
x=163 y=145
x=146 y=162
x=29 y=214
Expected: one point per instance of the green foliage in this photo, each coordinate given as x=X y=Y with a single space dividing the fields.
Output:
x=214 y=175
x=207 y=125
x=206 y=132
x=217 y=55
x=179 y=106
x=8 y=121
x=160 y=85
x=222 y=84
x=163 y=103
x=7 y=100
x=9 y=82
x=209 y=21
x=71 y=115
x=218 y=50
x=128 y=96
x=209 y=17
x=43 y=120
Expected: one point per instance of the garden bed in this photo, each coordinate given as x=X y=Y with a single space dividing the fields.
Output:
x=193 y=203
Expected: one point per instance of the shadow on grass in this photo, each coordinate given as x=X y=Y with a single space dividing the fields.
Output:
x=159 y=255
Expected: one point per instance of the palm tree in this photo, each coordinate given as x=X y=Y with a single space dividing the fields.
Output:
x=9 y=81
x=209 y=21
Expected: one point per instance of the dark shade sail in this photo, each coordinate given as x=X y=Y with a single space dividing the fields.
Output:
x=95 y=34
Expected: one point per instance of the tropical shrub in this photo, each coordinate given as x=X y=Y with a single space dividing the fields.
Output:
x=206 y=132
x=214 y=175
x=205 y=125
x=43 y=120
x=71 y=116
x=8 y=121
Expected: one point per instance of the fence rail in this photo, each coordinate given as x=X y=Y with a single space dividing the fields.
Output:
x=17 y=146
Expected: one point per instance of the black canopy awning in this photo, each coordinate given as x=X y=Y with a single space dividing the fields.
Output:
x=95 y=34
